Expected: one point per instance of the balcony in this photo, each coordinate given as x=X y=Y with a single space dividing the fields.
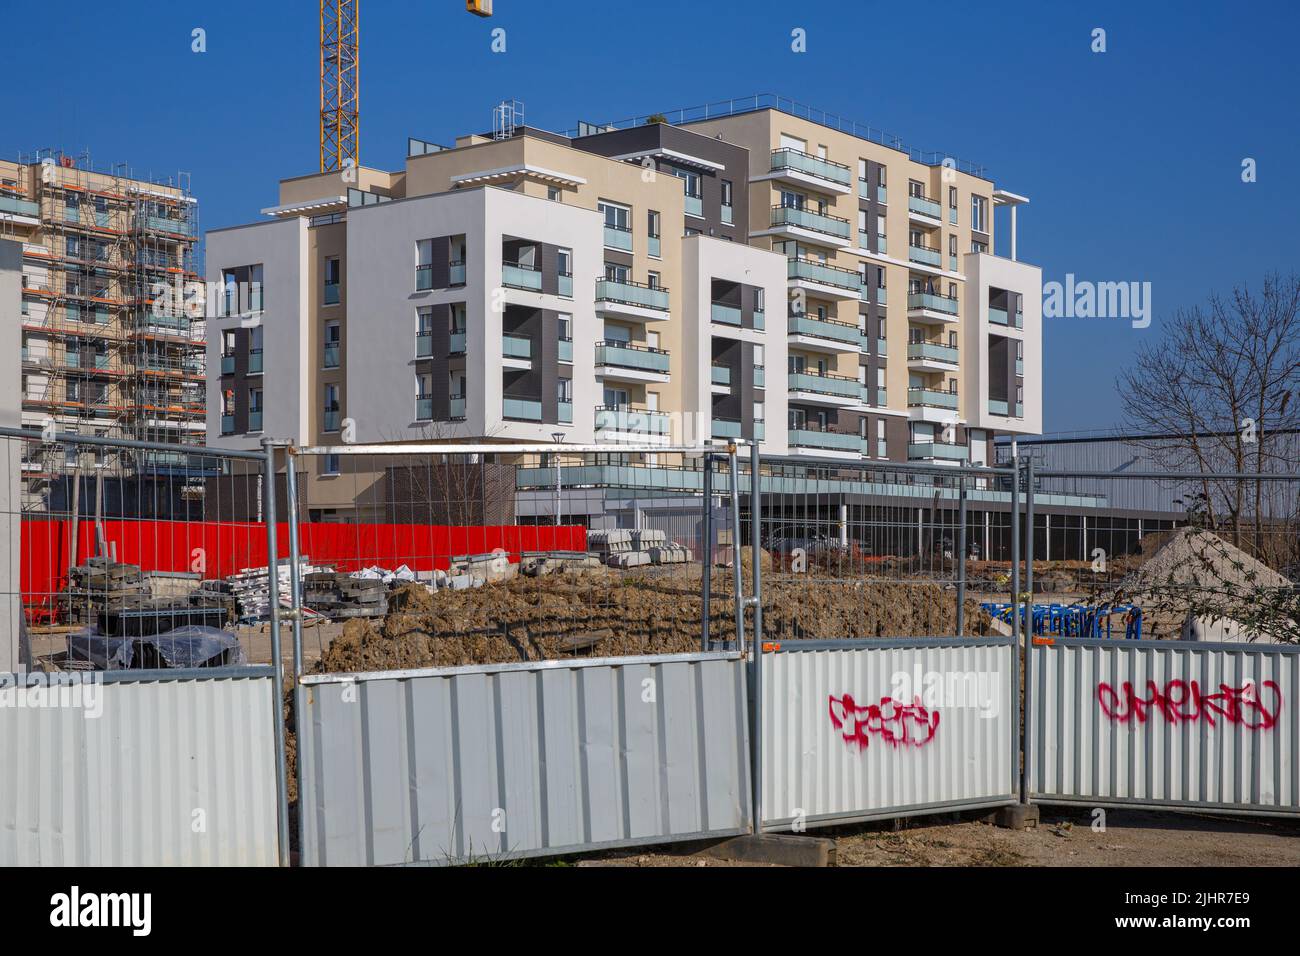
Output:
x=564 y=412
x=925 y=207
x=998 y=407
x=800 y=168
x=618 y=237
x=566 y=350
x=638 y=363
x=694 y=206
x=824 y=334
x=564 y=285
x=330 y=421
x=937 y=451
x=930 y=307
x=999 y=317
x=331 y=293
x=924 y=255
x=423 y=278
x=925 y=354
x=516 y=346
x=254 y=361
x=760 y=376
x=456 y=273
x=630 y=420
x=20 y=207
x=331 y=355
x=423 y=345
x=517 y=276
x=881 y=396
x=813 y=226
x=457 y=342
x=817 y=277
x=824 y=389
x=227 y=424
x=634 y=300
x=720 y=375
x=423 y=408
x=524 y=409
x=457 y=408
x=227 y=365
x=255 y=421
x=1020 y=367
x=726 y=428
x=760 y=319
x=725 y=314
x=926 y=398
x=843 y=444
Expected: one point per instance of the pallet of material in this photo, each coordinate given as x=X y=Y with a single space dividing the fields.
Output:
x=340 y=595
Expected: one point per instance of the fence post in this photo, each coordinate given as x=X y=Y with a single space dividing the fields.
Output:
x=277 y=661
x=1029 y=617
x=756 y=527
x=1015 y=612
x=739 y=576
x=961 y=555
x=295 y=572
x=706 y=560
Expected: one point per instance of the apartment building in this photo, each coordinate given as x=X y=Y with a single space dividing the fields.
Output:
x=104 y=350
x=753 y=276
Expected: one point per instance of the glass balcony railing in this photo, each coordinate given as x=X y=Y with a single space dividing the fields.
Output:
x=882 y=195
x=331 y=355
x=998 y=407
x=882 y=396
x=516 y=346
x=938 y=450
x=838 y=386
x=423 y=408
x=618 y=237
x=457 y=407
x=456 y=273
x=331 y=293
x=227 y=424
x=625 y=355
x=725 y=314
x=423 y=344
x=516 y=276
x=847 y=442
x=882 y=347
x=423 y=278
x=564 y=285
x=653 y=247
x=760 y=376
x=924 y=206
x=255 y=421
x=631 y=420
x=882 y=295
x=933 y=351
x=997 y=316
x=864 y=189
x=227 y=365
x=254 y=361
x=825 y=329
x=810 y=270
x=1020 y=367
x=721 y=375
x=521 y=408
x=694 y=206
x=330 y=421
x=932 y=302
x=159 y=224
x=727 y=215
x=726 y=428
x=814 y=221
x=801 y=162
x=632 y=293
x=457 y=345
x=926 y=398
x=924 y=255
x=566 y=350
x=564 y=411
x=952 y=263
x=20 y=207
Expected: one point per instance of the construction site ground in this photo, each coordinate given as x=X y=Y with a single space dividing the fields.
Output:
x=1064 y=837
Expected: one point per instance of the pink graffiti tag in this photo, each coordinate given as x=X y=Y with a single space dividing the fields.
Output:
x=894 y=722
x=1253 y=706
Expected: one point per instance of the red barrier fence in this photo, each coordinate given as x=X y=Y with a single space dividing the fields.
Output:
x=215 y=549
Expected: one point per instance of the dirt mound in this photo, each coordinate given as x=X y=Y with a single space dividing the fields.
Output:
x=528 y=619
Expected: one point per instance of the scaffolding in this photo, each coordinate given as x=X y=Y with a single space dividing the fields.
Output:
x=105 y=350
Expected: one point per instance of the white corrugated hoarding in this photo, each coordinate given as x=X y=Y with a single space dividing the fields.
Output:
x=859 y=730
x=138 y=771
x=1165 y=723
x=513 y=760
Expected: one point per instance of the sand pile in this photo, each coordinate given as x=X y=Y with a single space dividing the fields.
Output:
x=609 y=615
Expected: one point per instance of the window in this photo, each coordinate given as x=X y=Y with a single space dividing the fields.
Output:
x=977 y=246
x=652 y=280
x=564 y=327
x=616 y=272
x=616 y=217
x=952 y=205
x=979 y=211
x=331 y=409
x=254 y=409
x=726 y=201
x=564 y=389
x=330 y=464
x=423 y=265
x=333 y=336
x=255 y=350
x=332 y=280
x=882 y=176
x=759 y=298
x=554 y=194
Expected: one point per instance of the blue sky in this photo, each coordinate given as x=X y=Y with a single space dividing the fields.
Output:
x=1132 y=158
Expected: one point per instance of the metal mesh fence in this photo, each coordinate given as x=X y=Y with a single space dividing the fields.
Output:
x=124 y=555
x=418 y=556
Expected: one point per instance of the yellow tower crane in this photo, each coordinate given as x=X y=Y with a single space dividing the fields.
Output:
x=340 y=80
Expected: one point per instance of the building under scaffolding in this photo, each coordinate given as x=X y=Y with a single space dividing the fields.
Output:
x=105 y=350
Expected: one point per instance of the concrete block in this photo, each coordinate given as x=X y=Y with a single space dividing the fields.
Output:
x=783 y=849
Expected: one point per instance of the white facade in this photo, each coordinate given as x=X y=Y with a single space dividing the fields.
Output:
x=985 y=272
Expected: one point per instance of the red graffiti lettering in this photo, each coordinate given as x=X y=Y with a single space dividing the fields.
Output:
x=894 y=722
x=1253 y=706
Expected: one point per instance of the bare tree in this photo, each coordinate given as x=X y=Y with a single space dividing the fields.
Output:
x=1218 y=386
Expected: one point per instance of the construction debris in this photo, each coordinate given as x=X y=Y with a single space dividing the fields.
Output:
x=251 y=587
x=339 y=595
x=635 y=548
x=101 y=584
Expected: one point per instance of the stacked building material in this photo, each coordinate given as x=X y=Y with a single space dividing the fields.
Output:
x=100 y=584
x=615 y=549
x=251 y=588
x=339 y=595
x=535 y=564
x=661 y=550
